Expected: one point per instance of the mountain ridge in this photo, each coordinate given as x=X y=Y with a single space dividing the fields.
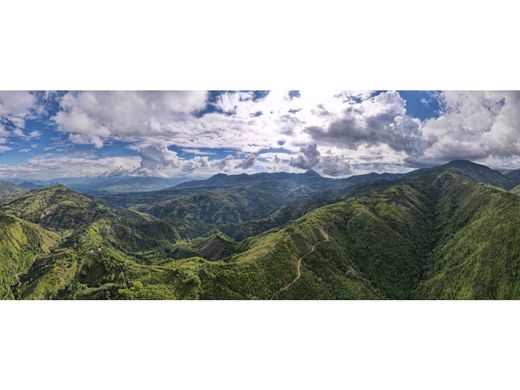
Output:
x=428 y=234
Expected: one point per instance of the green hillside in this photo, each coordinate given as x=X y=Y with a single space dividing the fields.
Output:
x=430 y=237
x=55 y=208
x=21 y=243
x=443 y=233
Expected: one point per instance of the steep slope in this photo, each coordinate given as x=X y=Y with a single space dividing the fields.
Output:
x=477 y=172
x=21 y=243
x=478 y=253
x=439 y=235
x=89 y=266
x=435 y=234
x=55 y=208
x=230 y=202
x=363 y=247
x=513 y=176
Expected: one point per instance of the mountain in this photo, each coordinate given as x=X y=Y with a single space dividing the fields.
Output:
x=21 y=242
x=474 y=171
x=92 y=243
x=116 y=184
x=448 y=232
x=513 y=176
x=308 y=179
x=429 y=237
x=56 y=208
x=7 y=188
x=230 y=201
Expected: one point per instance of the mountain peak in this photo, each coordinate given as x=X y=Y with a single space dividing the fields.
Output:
x=463 y=163
x=311 y=172
x=58 y=187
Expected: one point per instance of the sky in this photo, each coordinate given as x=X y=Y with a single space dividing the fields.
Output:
x=55 y=134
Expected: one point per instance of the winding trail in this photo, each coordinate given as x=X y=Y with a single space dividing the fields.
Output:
x=299 y=263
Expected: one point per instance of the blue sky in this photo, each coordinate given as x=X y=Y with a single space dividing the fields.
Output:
x=198 y=133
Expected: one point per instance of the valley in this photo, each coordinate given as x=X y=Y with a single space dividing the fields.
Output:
x=448 y=232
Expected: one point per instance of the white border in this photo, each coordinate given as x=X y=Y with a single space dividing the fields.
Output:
x=236 y=44
x=260 y=345
x=97 y=44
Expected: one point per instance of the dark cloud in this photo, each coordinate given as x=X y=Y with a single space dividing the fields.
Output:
x=401 y=132
x=224 y=163
x=247 y=162
x=309 y=158
x=194 y=164
x=334 y=166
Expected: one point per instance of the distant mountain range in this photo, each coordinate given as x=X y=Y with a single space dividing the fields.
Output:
x=100 y=184
x=448 y=232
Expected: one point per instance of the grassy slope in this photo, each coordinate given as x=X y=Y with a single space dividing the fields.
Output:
x=478 y=254
x=55 y=208
x=357 y=248
x=442 y=236
x=435 y=235
x=20 y=243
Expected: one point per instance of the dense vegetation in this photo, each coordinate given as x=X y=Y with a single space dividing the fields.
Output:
x=449 y=232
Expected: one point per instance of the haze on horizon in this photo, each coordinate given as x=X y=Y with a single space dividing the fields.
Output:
x=195 y=134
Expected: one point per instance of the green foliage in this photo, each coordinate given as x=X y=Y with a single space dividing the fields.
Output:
x=20 y=243
x=433 y=234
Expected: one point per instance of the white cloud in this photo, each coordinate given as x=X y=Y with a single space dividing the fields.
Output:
x=336 y=133
x=378 y=120
x=228 y=102
x=18 y=132
x=474 y=125
x=94 y=117
x=195 y=164
x=16 y=105
x=156 y=157
x=3 y=134
x=244 y=123
x=334 y=166
x=52 y=166
x=196 y=151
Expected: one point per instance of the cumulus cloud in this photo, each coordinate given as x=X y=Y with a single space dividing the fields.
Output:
x=224 y=164
x=247 y=162
x=474 y=125
x=53 y=166
x=378 y=120
x=335 y=166
x=337 y=133
x=35 y=134
x=328 y=164
x=195 y=164
x=94 y=117
x=15 y=106
x=228 y=102
x=3 y=134
x=309 y=157
x=156 y=157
